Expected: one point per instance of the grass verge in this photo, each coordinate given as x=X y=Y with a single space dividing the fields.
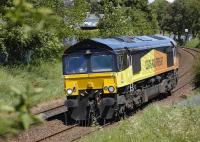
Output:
x=47 y=76
x=166 y=124
x=22 y=87
x=197 y=72
x=193 y=43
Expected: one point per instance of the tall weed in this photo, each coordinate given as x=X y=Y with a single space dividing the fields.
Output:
x=46 y=75
x=166 y=124
x=194 y=43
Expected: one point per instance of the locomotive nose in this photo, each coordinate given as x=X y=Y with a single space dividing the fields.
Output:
x=75 y=84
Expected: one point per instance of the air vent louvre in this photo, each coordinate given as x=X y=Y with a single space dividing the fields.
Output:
x=125 y=39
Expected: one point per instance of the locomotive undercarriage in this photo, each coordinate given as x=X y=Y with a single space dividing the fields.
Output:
x=93 y=105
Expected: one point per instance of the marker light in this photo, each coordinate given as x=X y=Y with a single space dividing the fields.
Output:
x=69 y=91
x=105 y=88
x=111 y=89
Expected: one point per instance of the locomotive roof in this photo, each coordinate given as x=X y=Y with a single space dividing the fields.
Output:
x=132 y=43
x=136 y=42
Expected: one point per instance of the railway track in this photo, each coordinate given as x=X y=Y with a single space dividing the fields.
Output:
x=193 y=53
x=70 y=129
x=88 y=130
x=56 y=133
x=51 y=112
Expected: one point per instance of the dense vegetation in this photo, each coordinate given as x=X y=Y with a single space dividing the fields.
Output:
x=175 y=17
x=33 y=29
x=47 y=76
x=126 y=17
x=156 y=123
x=197 y=72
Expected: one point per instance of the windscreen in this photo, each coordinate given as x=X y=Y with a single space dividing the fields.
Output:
x=75 y=64
x=101 y=63
x=78 y=64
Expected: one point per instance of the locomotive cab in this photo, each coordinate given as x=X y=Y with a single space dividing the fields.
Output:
x=89 y=71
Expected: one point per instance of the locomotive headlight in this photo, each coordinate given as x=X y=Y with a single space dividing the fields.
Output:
x=69 y=91
x=111 y=89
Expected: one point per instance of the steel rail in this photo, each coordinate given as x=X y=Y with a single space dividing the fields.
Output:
x=59 y=132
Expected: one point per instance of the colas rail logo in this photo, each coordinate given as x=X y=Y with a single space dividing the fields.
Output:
x=152 y=63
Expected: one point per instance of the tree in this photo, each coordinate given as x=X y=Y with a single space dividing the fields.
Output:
x=36 y=28
x=127 y=17
x=71 y=16
x=24 y=32
x=192 y=9
x=161 y=8
x=178 y=16
x=114 y=22
x=4 y=4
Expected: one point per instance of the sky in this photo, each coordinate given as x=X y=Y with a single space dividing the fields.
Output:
x=167 y=0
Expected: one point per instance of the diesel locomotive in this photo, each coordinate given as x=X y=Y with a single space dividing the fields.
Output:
x=105 y=77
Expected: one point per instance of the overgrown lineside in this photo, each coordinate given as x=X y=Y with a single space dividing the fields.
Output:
x=167 y=124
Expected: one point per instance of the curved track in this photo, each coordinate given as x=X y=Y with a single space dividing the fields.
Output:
x=55 y=130
x=193 y=53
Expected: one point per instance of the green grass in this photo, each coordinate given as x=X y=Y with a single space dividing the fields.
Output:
x=194 y=43
x=47 y=76
x=166 y=124
x=22 y=87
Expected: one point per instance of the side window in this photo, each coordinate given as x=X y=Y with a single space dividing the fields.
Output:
x=120 y=62
x=170 y=56
x=136 y=62
x=123 y=62
x=129 y=59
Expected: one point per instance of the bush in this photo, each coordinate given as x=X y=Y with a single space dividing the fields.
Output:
x=28 y=32
x=86 y=34
x=197 y=72
x=194 y=43
x=22 y=48
x=50 y=46
x=14 y=118
x=46 y=75
x=3 y=53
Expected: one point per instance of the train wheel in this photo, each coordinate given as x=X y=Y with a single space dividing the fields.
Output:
x=121 y=113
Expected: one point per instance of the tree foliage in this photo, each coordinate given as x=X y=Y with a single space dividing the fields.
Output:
x=18 y=117
x=114 y=22
x=36 y=28
x=178 y=16
x=126 y=17
x=21 y=35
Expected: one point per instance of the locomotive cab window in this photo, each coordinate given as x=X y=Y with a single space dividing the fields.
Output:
x=136 y=57
x=74 y=64
x=170 y=56
x=123 y=62
x=84 y=63
x=101 y=63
